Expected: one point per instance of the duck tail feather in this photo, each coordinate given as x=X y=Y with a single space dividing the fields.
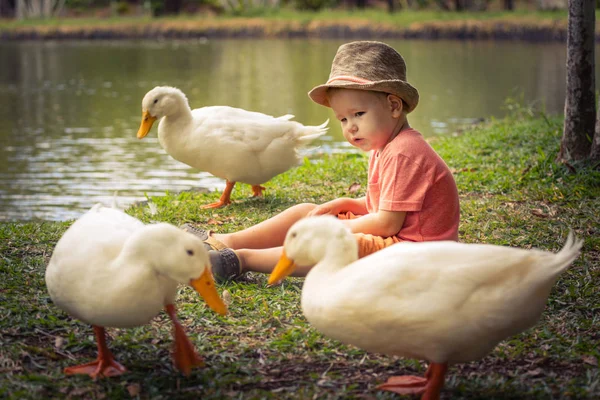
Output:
x=312 y=132
x=286 y=117
x=568 y=254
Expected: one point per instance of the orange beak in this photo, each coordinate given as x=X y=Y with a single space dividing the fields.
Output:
x=146 y=125
x=284 y=268
x=205 y=286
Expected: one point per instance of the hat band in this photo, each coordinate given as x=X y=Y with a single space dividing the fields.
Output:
x=349 y=78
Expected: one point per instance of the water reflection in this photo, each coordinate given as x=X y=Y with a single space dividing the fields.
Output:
x=70 y=110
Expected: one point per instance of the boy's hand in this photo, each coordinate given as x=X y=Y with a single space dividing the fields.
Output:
x=323 y=209
x=342 y=204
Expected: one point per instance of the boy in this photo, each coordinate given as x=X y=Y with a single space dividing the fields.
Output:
x=411 y=193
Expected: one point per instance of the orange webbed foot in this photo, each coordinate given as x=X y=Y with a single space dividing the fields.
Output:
x=98 y=369
x=225 y=197
x=185 y=356
x=405 y=385
x=104 y=366
x=257 y=190
x=429 y=387
x=216 y=204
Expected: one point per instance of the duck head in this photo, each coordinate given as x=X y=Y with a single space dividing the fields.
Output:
x=310 y=240
x=181 y=257
x=161 y=101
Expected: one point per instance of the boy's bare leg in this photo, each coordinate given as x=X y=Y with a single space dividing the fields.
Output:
x=267 y=234
x=264 y=260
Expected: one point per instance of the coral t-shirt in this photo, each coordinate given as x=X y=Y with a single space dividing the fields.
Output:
x=408 y=175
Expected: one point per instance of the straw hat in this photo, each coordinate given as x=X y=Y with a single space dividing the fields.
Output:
x=368 y=65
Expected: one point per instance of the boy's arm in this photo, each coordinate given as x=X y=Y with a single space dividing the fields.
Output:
x=382 y=223
x=342 y=204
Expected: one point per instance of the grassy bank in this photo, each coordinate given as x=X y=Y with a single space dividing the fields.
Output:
x=523 y=25
x=511 y=194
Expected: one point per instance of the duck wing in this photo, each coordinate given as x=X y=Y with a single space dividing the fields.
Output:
x=445 y=300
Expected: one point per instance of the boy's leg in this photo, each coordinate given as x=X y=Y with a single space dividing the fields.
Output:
x=267 y=234
x=264 y=260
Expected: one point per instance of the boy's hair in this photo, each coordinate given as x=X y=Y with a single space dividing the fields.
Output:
x=367 y=65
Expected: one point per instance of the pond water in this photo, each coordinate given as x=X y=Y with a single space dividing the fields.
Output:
x=70 y=110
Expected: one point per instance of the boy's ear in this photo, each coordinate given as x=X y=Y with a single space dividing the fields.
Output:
x=395 y=104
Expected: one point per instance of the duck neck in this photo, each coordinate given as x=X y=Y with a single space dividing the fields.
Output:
x=142 y=245
x=178 y=119
x=336 y=257
x=173 y=131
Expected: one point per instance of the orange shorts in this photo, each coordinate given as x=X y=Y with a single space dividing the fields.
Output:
x=369 y=244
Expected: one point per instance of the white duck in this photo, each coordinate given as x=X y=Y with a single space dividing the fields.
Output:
x=444 y=302
x=230 y=143
x=111 y=270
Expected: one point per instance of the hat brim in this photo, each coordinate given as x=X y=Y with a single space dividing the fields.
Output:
x=402 y=89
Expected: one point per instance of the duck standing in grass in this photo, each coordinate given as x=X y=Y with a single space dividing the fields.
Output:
x=230 y=143
x=444 y=302
x=111 y=270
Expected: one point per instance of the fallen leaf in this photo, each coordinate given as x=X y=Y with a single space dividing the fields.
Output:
x=213 y=221
x=134 y=389
x=226 y=297
x=535 y=372
x=539 y=213
x=354 y=188
x=58 y=342
x=590 y=360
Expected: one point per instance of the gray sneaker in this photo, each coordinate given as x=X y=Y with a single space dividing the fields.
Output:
x=226 y=265
x=209 y=242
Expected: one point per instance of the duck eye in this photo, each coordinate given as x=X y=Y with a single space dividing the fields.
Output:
x=190 y=252
x=293 y=234
x=155 y=101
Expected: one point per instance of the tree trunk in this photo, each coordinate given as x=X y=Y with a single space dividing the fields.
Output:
x=595 y=152
x=509 y=5
x=580 y=105
x=7 y=8
x=172 y=7
x=390 y=4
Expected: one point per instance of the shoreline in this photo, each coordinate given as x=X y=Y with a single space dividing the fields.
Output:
x=256 y=28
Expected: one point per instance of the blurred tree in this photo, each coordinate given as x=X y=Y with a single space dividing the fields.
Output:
x=552 y=5
x=38 y=8
x=7 y=8
x=509 y=5
x=172 y=7
x=580 y=101
x=443 y=5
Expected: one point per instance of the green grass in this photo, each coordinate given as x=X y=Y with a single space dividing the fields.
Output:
x=511 y=192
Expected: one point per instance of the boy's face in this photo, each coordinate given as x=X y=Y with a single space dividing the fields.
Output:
x=369 y=119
